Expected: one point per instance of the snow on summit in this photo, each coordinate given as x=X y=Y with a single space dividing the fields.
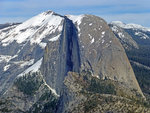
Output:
x=129 y=26
x=33 y=30
x=76 y=19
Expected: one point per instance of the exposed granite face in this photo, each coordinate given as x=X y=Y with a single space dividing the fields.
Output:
x=61 y=56
x=105 y=56
x=93 y=47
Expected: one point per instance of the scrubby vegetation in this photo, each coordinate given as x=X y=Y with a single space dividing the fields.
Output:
x=102 y=86
x=107 y=86
x=5 y=106
x=29 y=83
x=104 y=96
x=142 y=56
x=46 y=104
x=143 y=77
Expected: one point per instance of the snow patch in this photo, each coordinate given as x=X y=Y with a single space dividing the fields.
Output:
x=103 y=41
x=24 y=63
x=30 y=30
x=42 y=45
x=130 y=26
x=103 y=32
x=6 y=67
x=90 y=36
x=54 y=38
x=79 y=34
x=5 y=58
x=76 y=19
x=34 y=68
x=114 y=28
x=92 y=41
x=142 y=35
x=53 y=90
x=90 y=24
x=121 y=35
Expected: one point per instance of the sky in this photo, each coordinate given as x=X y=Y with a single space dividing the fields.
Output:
x=127 y=11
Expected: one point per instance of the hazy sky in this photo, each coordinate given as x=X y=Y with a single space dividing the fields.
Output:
x=128 y=11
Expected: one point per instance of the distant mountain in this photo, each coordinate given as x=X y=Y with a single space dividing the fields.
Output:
x=67 y=64
x=138 y=54
x=2 y=26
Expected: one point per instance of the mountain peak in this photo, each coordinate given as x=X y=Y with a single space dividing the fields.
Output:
x=48 y=12
x=30 y=28
x=130 y=26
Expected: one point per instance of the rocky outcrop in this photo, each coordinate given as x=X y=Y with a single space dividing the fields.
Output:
x=94 y=95
x=30 y=93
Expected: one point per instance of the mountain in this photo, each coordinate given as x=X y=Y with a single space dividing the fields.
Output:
x=138 y=55
x=57 y=64
x=126 y=40
x=2 y=26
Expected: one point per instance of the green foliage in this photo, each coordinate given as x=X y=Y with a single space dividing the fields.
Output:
x=101 y=86
x=5 y=110
x=29 y=83
x=141 y=55
x=143 y=77
x=90 y=104
x=4 y=106
x=50 y=107
x=46 y=104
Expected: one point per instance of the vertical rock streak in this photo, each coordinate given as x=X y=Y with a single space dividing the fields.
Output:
x=69 y=56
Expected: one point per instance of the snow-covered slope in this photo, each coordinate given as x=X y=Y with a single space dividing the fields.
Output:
x=129 y=26
x=124 y=37
x=134 y=30
x=76 y=19
x=29 y=30
x=22 y=45
x=34 y=68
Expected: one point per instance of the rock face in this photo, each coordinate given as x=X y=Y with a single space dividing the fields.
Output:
x=61 y=56
x=99 y=52
x=41 y=52
x=139 y=57
x=105 y=56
